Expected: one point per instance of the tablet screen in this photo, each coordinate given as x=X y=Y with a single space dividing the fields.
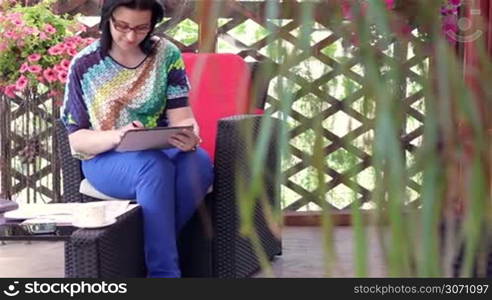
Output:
x=148 y=138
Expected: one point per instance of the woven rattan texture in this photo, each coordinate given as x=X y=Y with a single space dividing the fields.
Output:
x=231 y=247
x=71 y=172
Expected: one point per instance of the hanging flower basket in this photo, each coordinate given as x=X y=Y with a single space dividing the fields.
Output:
x=403 y=18
x=36 y=47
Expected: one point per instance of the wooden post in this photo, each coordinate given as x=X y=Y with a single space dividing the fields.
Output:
x=5 y=150
x=207 y=22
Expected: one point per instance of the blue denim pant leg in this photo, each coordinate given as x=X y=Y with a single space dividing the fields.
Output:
x=194 y=176
x=165 y=193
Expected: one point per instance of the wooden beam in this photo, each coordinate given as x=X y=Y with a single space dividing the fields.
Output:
x=313 y=218
x=62 y=7
x=207 y=22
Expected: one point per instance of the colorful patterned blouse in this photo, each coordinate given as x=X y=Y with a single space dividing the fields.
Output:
x=101 y=94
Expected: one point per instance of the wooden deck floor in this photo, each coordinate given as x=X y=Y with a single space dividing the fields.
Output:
x=302 y=256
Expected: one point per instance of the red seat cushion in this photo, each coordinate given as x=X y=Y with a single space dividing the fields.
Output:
x=219 y=88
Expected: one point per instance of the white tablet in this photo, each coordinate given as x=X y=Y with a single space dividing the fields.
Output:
x=149 y=138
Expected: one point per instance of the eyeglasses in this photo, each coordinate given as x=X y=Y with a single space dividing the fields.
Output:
x=124 y=28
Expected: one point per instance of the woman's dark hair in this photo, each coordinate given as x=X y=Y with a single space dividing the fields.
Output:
x=107 y=11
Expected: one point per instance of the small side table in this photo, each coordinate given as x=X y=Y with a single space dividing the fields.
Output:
x=13 y=231
x=6 y=205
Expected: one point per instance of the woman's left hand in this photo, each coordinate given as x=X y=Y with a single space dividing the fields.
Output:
x=186 y=140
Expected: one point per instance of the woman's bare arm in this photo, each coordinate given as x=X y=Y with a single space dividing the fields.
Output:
x=183 y=116
x=93 y=142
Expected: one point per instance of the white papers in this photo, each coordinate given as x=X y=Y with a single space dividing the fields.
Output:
x=61 y=220
x=62 y=213
x=28 y=211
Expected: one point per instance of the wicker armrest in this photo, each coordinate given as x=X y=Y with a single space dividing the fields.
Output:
x=113 y=251
x=70 y=167
x=237 y=136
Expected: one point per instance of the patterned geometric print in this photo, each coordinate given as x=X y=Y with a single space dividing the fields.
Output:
x=101 y=94
x=178 y=91
x=120 y=94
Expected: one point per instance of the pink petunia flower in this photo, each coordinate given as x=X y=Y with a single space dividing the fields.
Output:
x=62 y=76
x=55 y=50
x=59 y=68
x=70 y=45
x=9 y=91
x=18 y=22
x=72 y=52
x=14 y=16
x=24 y=67
x=65 y=63
x=74 y=39
x=21 y=83
x=50 y=75
x=54 y=93
x=43 y=36
x=28 y=30
x=34 y=57
x=41 y=79
x=35 y=69
x=390 y=4
x=11 y=35
x=450 y=28
x=49 y=29
x=61 y=46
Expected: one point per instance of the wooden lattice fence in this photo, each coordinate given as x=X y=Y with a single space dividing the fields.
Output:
x=325 y=80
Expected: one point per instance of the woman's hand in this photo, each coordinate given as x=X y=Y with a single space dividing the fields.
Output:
x=118 y=134
x=186 y=140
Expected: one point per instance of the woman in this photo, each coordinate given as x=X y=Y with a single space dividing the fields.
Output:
x=128 y=79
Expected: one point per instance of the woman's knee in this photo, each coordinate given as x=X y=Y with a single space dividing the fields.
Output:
x=196 y=166
x=198 y=158
x=154 y=161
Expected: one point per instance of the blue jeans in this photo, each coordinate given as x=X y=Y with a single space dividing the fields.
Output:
x=168 y=184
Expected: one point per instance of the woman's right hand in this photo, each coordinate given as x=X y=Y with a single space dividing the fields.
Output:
x=120 y=132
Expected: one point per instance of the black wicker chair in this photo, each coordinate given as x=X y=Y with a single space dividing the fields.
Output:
x=210 y=245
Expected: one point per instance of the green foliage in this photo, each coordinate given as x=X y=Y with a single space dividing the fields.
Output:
x=186 y=32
